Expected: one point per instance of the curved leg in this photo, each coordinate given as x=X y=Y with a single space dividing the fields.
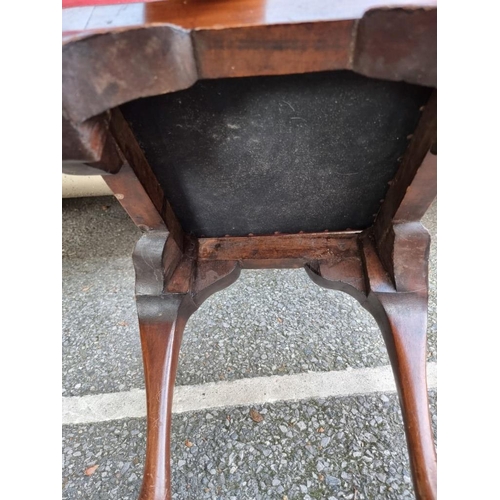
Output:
x=162 y=318
x=399 y=306
x=403 y=321
x=402 y=316
x=161 y=340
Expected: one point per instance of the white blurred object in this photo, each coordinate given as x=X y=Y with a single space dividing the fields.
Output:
x=79 y=186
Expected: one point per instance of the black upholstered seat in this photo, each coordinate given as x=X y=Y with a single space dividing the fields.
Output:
x=293 y=153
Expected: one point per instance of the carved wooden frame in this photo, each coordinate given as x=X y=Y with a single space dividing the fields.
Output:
x=384 y=267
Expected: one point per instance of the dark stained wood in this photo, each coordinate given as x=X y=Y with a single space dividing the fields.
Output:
x=123 y=65
x=134 y=155
x=421 y=142
x=347 y=262
x=402 y=317
x=288 y=247
x=161 y=323
x=347 y=272
x=116 y=54
x=88 y=148
x=273 y=50
x=411 y=249
x=162 y=318
x=344 y=275
x=181 y=280
x=398 y=44
x=213 y=276
x=377 y=278
x=420 y=193
x=172 y=256
x=148 y=263
x=142 y=50
x=134 y=199
x=424 y=138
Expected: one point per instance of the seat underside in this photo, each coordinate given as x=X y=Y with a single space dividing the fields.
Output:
x=293 y=153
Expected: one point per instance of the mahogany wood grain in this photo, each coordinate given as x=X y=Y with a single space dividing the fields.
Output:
x=273 y=50
x=181 y=280
x=133 y=198
x=211 y=277
x=420 y=193
x=402 y=318
x=402 y=188
x=161 y=323
x=148 y=259
x=160 y=339
x=347 y=273
x=308 y=246
x=384 y=49
x=162 y=318
x=354 y=267
x=123 y=65
x=164 y=305
x=138 y=50
x=422 y=140
x=410 y=257
x=114 y=54
x=135 y=156
x=88 y=148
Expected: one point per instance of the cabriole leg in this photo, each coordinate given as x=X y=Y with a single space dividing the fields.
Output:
x=403 y=321
x=161 y=322
x=399 y=306
x=166 y=298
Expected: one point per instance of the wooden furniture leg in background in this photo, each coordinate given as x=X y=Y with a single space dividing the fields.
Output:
x=399 y=306
x=164 y=306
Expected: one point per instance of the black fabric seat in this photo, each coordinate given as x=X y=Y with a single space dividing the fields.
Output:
x=293 y=153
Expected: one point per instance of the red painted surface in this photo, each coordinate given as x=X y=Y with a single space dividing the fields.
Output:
x=85 y=3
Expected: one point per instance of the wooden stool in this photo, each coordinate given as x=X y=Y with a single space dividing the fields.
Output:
x=254 y=134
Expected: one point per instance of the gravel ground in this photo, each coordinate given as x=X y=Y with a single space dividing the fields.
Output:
x=269 y=322
x=315 y=449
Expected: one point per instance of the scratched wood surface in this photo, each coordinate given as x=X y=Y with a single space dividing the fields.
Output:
x=229 y=39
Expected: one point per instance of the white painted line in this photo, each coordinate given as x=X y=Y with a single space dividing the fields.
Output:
x=77 y=186
x=244 y=392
